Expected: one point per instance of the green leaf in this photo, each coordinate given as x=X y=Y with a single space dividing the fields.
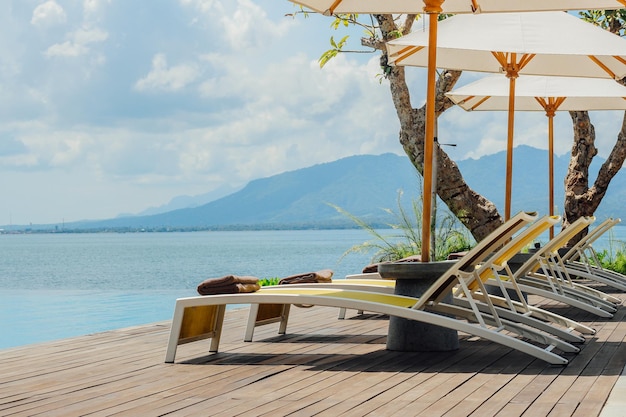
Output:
x=327 y=56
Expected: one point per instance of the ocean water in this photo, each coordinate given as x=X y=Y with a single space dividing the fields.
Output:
x=55 y=286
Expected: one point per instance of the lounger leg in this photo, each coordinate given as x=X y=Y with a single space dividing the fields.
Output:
x=284 y=317
x=177 y=322
x=281 y=315
x=219 y=325
x=254 y=311
x=206 y=322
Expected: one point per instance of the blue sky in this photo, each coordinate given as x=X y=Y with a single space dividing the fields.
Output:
x=114 y=106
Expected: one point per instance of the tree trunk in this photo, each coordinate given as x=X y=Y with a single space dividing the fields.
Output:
x=580 y=199
x=477 y=213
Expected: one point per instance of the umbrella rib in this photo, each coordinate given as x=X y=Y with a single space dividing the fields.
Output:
x=480 y=102
x=476 y=7
x=501 y=58
x=619 y=58
x=542 y=102
x=465 y=100
x=558 y=102
x=331 y=9
x=407 y=52
x=513 y=66
x=552 y=105
x=526 y=58
x=601 y=65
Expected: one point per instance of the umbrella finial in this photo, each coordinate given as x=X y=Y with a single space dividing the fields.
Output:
x=433 y=6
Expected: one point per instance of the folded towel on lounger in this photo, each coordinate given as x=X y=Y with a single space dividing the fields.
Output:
x=371 y=268
x=229 y=284
x=325 y=275
x=374 y=267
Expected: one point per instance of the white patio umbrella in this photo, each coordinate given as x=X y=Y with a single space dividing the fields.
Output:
x=330 y=7
x=433 y=8
x=541 y=93
x=548 y=43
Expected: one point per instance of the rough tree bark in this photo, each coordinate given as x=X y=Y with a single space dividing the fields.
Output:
x=580 y=198
x=477 y=213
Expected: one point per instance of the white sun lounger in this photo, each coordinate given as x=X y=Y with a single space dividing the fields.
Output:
x=202 y=317
x=513 y=310
x=530 y=279
x=582 y=260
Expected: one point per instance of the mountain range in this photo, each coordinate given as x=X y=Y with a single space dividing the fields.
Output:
x=363 y=185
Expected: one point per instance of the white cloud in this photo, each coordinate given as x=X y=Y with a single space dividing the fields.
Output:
x=78 y=43
x=164 y=78
x=48 y=14
x=98 y=133
x=66 y=49
x=45 y=150
x=86 y=36
x=295 y=112
x=250 y=27
x=93 y=8
x=203 y=6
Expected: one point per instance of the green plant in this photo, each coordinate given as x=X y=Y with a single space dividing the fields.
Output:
x=266 y=282
x=450 y=235
x=613 y=258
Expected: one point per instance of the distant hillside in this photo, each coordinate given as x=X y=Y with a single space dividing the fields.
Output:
x=363 y=185
x=186 y=201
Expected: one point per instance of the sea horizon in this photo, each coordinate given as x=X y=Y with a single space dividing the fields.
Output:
x=56 y=286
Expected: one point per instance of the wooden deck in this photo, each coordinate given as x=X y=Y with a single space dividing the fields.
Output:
x=323 y=366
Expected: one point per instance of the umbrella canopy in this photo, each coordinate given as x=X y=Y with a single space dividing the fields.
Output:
x=433 y=8
x=539 y=93
x=544 y=43
x=330 y=7
x=547 y=43
x=533 y=93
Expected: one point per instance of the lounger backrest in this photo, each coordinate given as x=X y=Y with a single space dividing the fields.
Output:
x=515 y=246
x=551 y=248
x=532 y=264
x=591 y=237
x=474 y=257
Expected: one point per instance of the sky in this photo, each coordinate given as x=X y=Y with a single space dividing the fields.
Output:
x=115 y=106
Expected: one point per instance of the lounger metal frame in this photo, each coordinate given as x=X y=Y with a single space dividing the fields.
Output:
x=492 y=327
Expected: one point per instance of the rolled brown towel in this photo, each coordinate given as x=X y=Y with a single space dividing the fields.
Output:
x=324 y=275
x=229 y=284
x=371 y=268
x=374 y=267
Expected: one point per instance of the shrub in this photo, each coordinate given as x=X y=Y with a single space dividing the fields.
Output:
x=265 y=282
x=613 y=258
x=450 y=235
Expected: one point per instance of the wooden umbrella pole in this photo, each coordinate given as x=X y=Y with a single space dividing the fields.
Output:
x=433 y=8
x=511 y=66
x=551 y=166
x=509 y=149
x=550 y=106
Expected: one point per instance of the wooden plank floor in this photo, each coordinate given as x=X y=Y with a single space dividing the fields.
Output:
x=324 y=366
